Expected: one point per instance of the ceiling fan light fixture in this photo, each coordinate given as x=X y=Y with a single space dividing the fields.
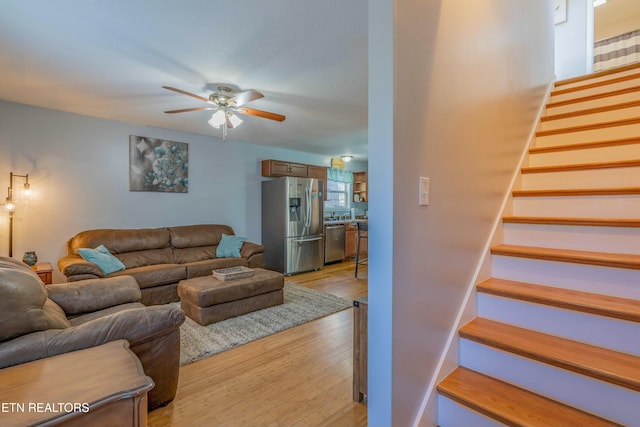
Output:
x=235 y=120
x=217 y=119
x=346 y=158
x=227 y=103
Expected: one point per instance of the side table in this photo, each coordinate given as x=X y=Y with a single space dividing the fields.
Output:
x=360 y=312
x=45 y=271
x=99 y=386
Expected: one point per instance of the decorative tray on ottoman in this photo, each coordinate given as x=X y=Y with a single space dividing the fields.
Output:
x=232 y=273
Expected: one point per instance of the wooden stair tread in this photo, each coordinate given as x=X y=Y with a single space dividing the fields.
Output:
x=605 y=259
x=597 y=74
x=595 y=84
x=512 y=405
x=593 y=97
x=507 y=403
x=589 y=126
x=585 y=145
x=619 y=191
x=620 y=368
x=582 y=166
x=594 y=110
x=585 y=302
x=593 y=222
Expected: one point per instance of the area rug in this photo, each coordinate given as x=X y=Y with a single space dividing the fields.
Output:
x=300 y=305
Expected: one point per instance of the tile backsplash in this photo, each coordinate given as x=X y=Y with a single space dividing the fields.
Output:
x=361 y=210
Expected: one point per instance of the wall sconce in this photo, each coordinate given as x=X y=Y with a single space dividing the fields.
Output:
x=10 y=204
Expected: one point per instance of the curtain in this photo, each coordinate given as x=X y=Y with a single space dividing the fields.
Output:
x=616 y=51
x=339 y=175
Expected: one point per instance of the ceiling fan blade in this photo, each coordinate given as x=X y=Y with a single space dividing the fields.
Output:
x=193 y=95
x=186 y=110
x=246 y=97
x=260 y=113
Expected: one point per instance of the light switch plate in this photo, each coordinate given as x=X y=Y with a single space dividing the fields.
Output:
x=424 y=188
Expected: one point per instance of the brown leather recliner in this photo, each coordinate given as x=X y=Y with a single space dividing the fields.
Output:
x=38 y=321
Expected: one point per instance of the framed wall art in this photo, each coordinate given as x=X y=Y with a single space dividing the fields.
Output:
x=158 y=165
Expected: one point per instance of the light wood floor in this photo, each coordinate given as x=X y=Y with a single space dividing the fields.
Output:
x=298 y=377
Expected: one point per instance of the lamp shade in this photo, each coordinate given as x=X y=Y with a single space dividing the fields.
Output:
x=217 y=119
x=235 y=120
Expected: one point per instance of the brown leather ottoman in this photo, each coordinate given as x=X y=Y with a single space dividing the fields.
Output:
x=208 y=300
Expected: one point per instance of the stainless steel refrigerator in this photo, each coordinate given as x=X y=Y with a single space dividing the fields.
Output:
x=292 y=219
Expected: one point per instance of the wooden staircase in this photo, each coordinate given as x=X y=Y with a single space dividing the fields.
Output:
x=557 y=337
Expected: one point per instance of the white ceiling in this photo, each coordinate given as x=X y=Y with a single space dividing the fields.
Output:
x=109 y=59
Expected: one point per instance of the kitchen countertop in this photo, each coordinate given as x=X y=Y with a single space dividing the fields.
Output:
x=344 y=221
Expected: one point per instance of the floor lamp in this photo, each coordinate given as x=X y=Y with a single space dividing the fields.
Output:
x=11 y=206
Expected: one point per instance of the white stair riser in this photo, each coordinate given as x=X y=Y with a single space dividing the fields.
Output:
x=452 y=414
x=585 y=119
x=591 y=178
x=598 y=239
x=602 y=134
x=593 y=396
x=625 y=206
x=599 y=102
x=591 y=155
x=589 y=278
x=578 y=326
x=604 y=78
x=595 y=90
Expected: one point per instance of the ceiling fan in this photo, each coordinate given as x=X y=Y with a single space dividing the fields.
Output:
x=226 y=103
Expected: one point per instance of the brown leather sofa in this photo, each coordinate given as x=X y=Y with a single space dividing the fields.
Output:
x=158 y=258
x=38 y=321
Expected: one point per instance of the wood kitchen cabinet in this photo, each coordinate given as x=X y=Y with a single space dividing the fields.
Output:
x=277 y=168
x=360 y=187
x=280 y=168
x=350 y=240
x=364 y=245
x=318 y=172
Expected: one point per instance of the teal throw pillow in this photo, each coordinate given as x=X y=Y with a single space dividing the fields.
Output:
x=101 y=257
x=229 y=246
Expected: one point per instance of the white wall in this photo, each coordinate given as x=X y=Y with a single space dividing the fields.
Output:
x=466 y=78
x=616 y=17
x=625 y=25
x=79 y=169
x=381 y=212
x=574 y=40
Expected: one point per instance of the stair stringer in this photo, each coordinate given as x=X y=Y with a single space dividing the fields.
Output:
x=449 y=358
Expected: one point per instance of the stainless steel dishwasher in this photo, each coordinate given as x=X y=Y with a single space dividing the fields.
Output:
x=333 y=242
